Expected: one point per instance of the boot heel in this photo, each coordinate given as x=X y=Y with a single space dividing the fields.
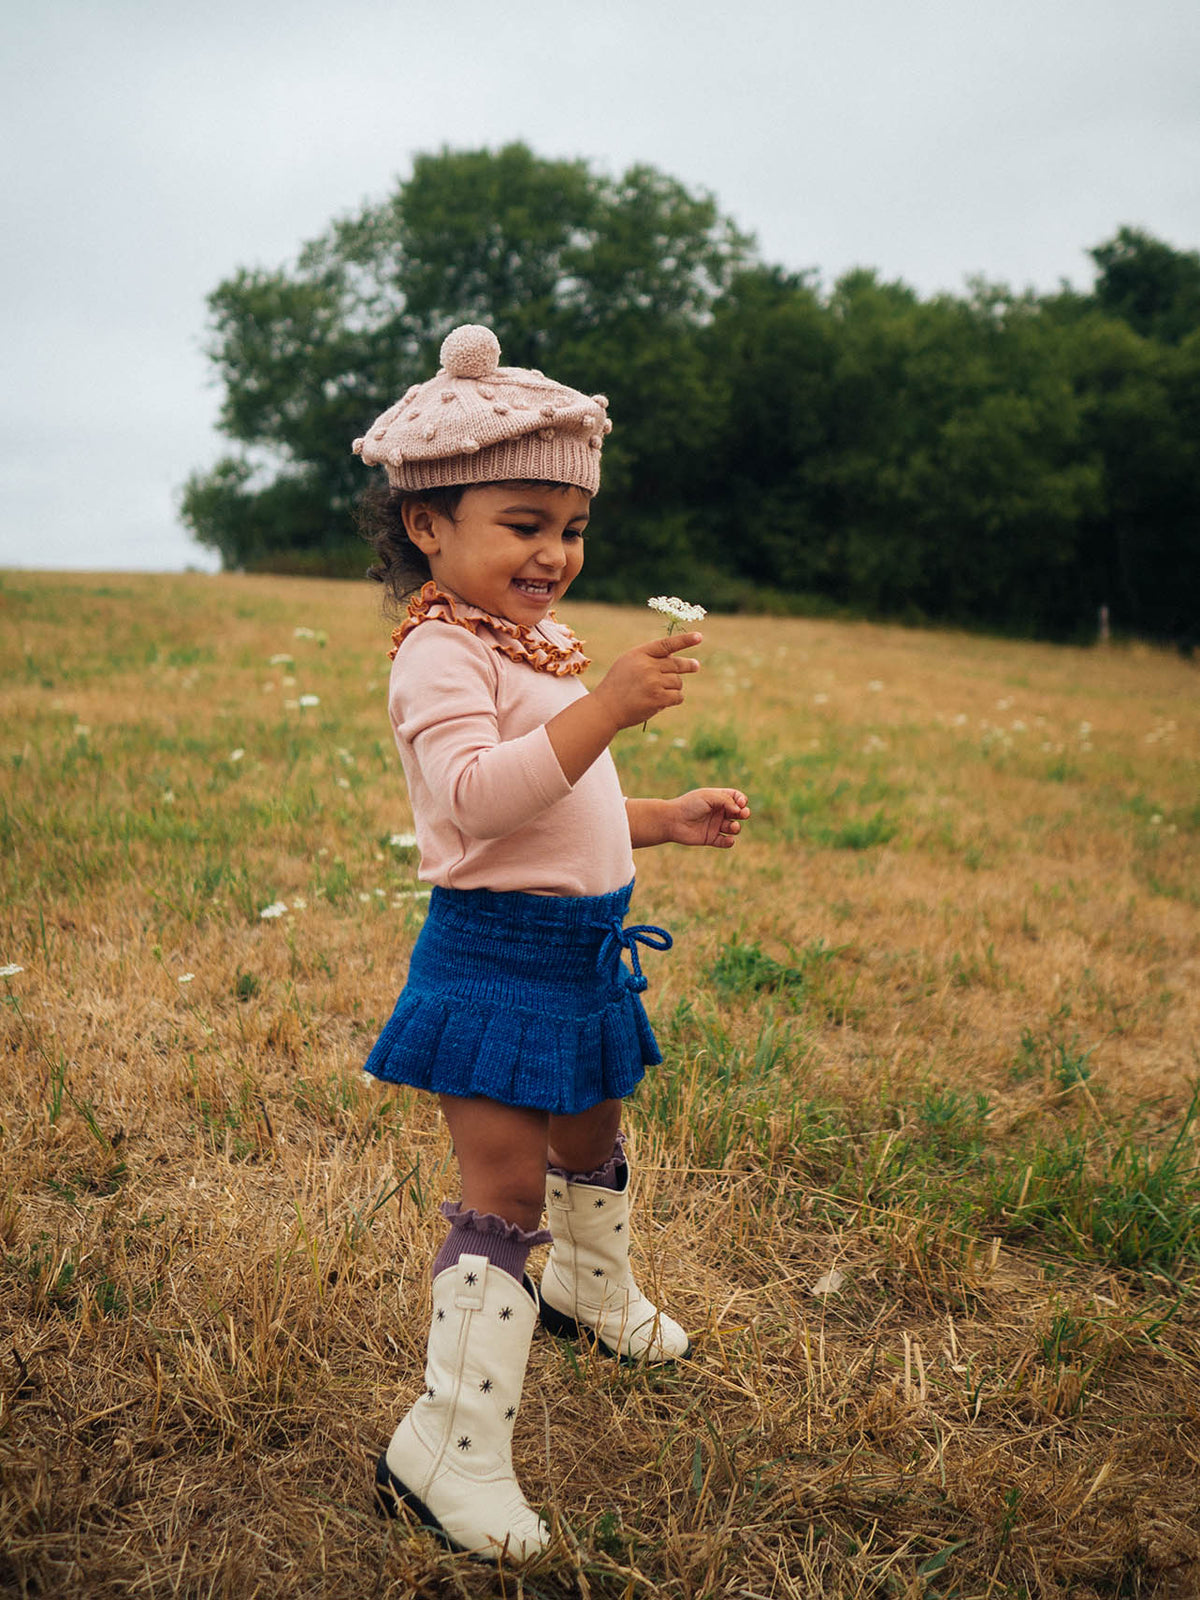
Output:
x=391 y=1494
x=560 y=1325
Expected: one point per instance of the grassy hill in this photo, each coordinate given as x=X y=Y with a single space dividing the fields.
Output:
x=919 y=1171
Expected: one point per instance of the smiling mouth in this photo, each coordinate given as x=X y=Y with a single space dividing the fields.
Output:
x=534 y=588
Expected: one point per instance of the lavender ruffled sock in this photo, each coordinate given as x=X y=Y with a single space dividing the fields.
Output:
x=504 y=1244
x=611 y=1175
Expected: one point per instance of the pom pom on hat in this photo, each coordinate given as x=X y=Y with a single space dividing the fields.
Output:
x=471 y=351
x=492 y=424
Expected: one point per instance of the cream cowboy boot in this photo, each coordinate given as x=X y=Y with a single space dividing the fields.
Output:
x=450 y=1460
x=587 y=1287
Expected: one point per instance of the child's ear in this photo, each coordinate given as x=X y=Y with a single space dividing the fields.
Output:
x=421 y=526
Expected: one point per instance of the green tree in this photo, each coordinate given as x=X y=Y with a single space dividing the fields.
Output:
x=605 y=279
x=1148 y=284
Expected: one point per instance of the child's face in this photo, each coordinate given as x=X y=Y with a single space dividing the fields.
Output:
x=513 y=549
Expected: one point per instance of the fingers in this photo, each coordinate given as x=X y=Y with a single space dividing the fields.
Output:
x=675 y=642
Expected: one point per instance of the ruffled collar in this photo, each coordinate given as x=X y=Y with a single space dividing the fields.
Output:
x=511 y=639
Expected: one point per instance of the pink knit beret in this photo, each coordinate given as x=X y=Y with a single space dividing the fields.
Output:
x=479 y=422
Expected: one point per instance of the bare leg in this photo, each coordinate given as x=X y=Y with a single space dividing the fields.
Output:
x=583 y=1142
x=501 y=1153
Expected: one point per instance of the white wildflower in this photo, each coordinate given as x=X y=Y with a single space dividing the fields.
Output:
x=679 y=744
x=310 y=700
x=345 y=757
x=282 y=660
x=670 y=605
x=830 y=1283
x=168 y=797
x=299 y=904
x=303 y=633
x=1156 y=820
x=11 y=970
x=1018 y=727
x=343 y=783
x=875 y=685
x=236 y=755
x=381 y=893
x=363 y=895
x=961 y=720
x=289 y=680
x=403 y=841
x=82 y=731
x=414 y=894
x=275 y=909
x=820 y=699
x=186 y=977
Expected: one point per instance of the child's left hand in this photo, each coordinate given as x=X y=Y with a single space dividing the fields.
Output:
x=708 y=816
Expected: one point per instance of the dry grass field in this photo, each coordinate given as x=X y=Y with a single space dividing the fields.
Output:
x=919 y=1173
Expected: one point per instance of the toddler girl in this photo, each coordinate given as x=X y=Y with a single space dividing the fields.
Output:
x=518 y=1011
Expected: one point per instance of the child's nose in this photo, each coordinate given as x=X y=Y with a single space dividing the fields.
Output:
x=551 y=554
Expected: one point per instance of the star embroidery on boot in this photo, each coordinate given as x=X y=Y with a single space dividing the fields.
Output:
x=471 y=1278
x=617 y=1228
x=510 y=1413
x=597 y=1272
x=486 y=1386
x=464 y=1442
x=599 y=1204
x=505 y=1313
x=441 y=1316
x=429 y=1393
x=556 y=1194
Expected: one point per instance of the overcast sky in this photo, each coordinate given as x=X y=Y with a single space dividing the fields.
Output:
x=150 y=150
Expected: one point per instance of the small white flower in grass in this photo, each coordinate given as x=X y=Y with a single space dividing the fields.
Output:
x=186 y=977
x=403 y=841
x=363 y=895
x=343 y=783
x=168 y=797
x=282 y=660
x=381 y=893
x=299 y=904
x=11 y=970
x=236 y=755
x=277 y=908
x=310 y=700
x=289 y=681
x=830 y=1283
x=303 y=633
x=345 y=757
x=820 y=699
x=670 y=605
x=875 y=685
x=1155 y=820
x=414 y=894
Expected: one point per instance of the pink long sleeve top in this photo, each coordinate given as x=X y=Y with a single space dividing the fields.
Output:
x=491 y=807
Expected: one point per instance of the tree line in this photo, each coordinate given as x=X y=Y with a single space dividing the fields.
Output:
x=1013 y=461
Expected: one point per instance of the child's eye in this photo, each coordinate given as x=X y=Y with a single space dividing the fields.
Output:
x=524 y=527
x=573 y=533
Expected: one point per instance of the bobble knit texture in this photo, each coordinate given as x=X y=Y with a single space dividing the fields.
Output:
x=479 y=422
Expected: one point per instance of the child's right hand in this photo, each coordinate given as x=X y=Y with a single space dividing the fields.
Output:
x=647 y=679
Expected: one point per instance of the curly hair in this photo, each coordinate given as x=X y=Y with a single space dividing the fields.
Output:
x=399 y=565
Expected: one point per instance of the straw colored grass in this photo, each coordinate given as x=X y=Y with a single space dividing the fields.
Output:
x=932 y=1047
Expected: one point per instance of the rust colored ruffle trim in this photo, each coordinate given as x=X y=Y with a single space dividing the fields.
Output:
x=511 y=639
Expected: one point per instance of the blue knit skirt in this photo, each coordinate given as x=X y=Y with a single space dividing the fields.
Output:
x=523 y=998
